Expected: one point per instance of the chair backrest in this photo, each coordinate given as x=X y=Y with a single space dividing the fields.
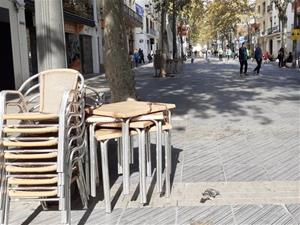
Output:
x=53 y=84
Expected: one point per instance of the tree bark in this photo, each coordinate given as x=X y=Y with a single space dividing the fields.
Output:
x=174 y=31
x=117 y=68
x=163 y=35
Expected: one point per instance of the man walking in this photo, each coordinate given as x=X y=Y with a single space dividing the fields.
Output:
x=258 y=58
x=243 y=57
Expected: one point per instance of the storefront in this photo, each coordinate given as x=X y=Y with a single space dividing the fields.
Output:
x=13 y=48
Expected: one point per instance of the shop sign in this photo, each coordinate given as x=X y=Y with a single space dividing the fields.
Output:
x=295 y=35
x=73 y=27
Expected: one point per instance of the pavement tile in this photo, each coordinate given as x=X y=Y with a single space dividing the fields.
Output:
x=245 y=172
x=206 y=215
x=262 y=215
x=202 y=173
x=148 y=216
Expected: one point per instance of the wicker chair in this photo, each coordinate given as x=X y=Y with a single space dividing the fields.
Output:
x=43 y=145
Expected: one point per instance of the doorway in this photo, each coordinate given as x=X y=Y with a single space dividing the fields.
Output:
x=271 y=46
x=7 y=80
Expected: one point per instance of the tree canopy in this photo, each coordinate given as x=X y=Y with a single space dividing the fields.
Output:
x=208 y=19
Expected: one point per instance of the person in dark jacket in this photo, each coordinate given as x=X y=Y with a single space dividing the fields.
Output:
x=258 y=58
x=281 y=57
x=243 y=57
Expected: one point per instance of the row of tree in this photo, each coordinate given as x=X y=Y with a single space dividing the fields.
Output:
x=208 y=20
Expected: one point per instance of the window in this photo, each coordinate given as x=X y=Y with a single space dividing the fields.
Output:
x=258 y=9
x=264 y=8
x=264 y=26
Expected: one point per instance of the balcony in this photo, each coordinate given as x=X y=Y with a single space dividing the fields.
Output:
x=269 y=8
x=132 y=18
x=81 y=8
x=153 y=32
x=273 y=30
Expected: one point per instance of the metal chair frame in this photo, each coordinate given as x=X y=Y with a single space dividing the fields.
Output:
x=72 y=144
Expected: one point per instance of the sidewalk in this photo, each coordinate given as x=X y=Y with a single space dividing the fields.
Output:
x=237 y=136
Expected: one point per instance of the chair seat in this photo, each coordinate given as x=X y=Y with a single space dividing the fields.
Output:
x=32 y=194
x=30 y=116
x=25 y=181
x=15 y=143
x=101 y=119
x=31 y=130
x=151 y=116
x=133 y=125
x=37 y=155
x=32 y=168
x=105 y=134
x=166 y=126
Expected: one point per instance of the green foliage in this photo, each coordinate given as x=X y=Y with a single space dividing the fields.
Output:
x=208 y=19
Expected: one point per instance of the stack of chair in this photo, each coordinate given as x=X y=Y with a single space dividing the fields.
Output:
x=43 y=145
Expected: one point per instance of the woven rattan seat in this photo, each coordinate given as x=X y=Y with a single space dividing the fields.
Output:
x=166 y=126
x=133 y=125
x=105 y=134
x=15 y=143
x=50 y=155
x=30 y=116
x=30 y=130
x=31 y=169
x=28 y=181
x=32 y=194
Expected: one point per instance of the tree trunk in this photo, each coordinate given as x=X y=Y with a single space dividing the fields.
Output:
x=163 y=34
x=283 y=32
x=117 y=68
x=174 y=31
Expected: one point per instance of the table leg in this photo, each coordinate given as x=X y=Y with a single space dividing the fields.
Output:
x=93 y=149
x=126 y=165
x=159 y=157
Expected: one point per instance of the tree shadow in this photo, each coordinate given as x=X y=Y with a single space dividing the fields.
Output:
x=208 y=90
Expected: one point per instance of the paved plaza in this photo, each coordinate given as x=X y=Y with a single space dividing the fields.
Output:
x=239 y=136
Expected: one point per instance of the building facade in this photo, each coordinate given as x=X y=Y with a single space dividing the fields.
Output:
x=13 y=45
x=147 y=36
x=82 y=35
x=269 y=35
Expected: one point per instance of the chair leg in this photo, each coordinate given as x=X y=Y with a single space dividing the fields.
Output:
x=168 y=161
x=131 y=150
x=159 y=158
x=148 y=154
x=65 y=203
x=93 y=168
x=4 y=199
x=87 y=165
x=82 y=186
x=7 y=205
x=105 y=176
x=44 y=205
x=120 y=156
x=142 y=167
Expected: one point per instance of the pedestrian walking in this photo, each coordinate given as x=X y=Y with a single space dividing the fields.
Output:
x=192 y=57
x=258 y=58
x=243 y=57
x=228 y=53
x=136 y=57
x=280 y=57
x=141 y=54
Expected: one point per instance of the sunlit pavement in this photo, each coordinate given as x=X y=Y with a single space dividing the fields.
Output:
x=239 y=136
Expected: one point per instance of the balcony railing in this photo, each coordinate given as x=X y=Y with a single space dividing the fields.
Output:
x=133 y=16
x=273 y=30
x=82 y=8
